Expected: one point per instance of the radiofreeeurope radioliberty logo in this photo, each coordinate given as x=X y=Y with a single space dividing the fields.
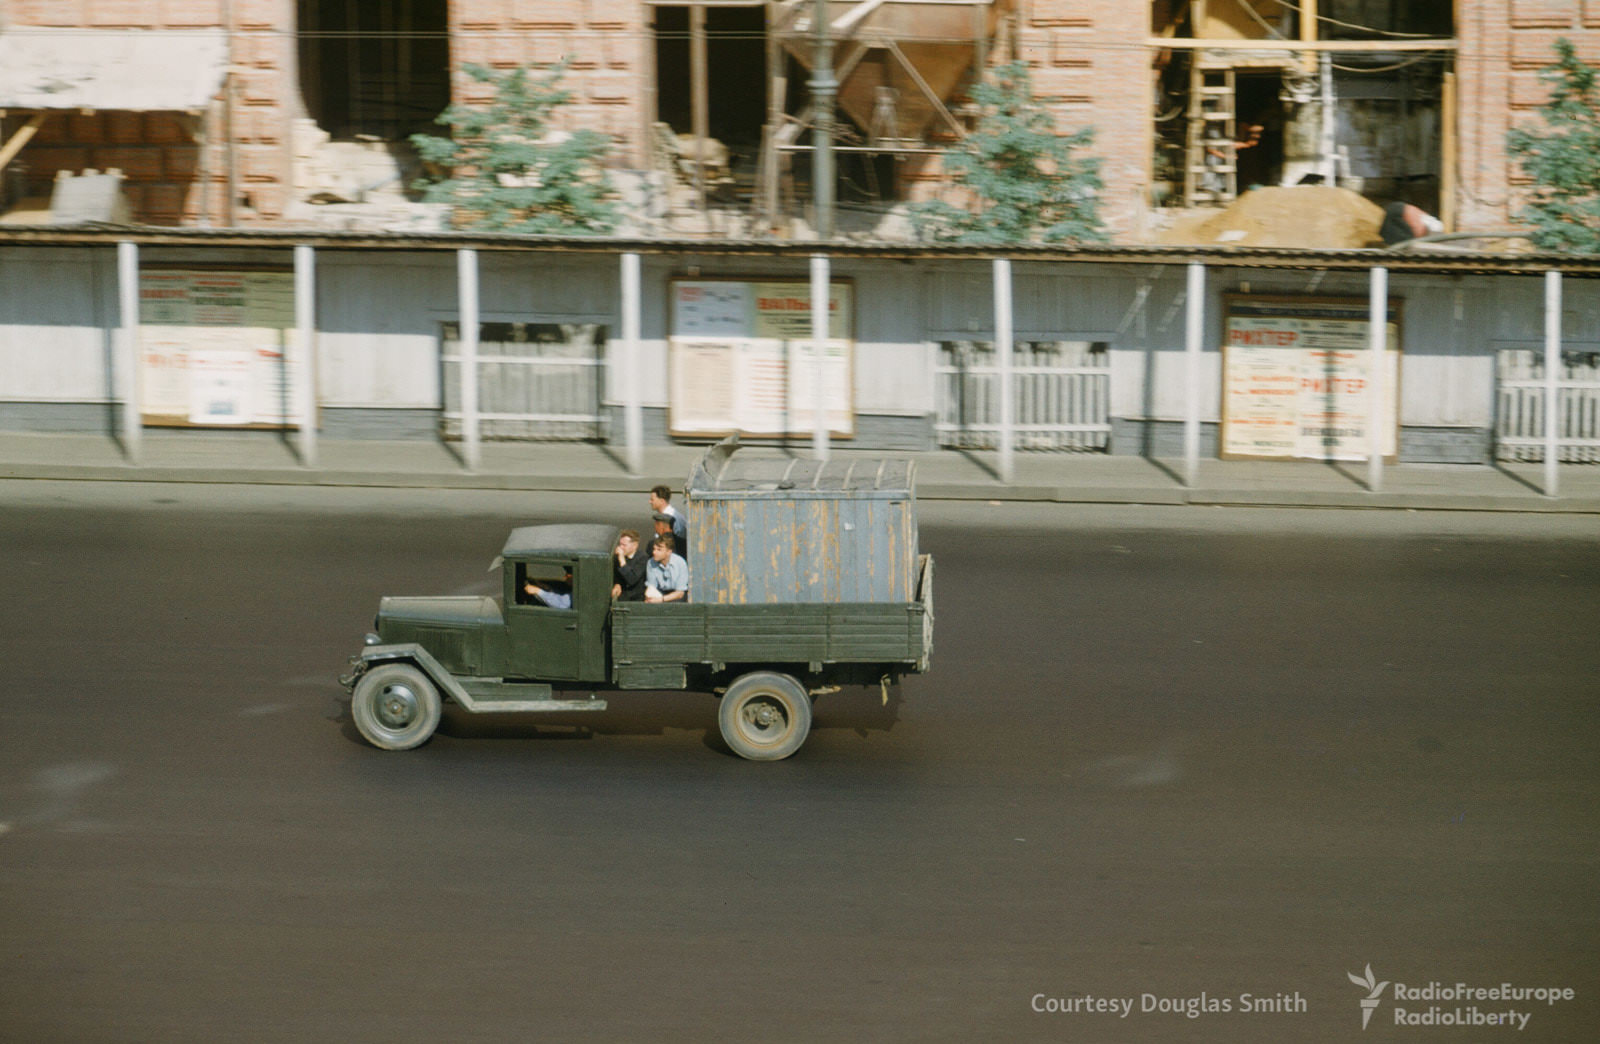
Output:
x=1374 y=988
x=1460 y=1002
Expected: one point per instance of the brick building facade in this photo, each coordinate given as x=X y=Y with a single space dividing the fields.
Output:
x=178 y=167
x=1503 y=45
x=299 y=75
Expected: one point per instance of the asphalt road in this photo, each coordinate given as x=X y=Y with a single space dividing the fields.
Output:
x=1168 y=757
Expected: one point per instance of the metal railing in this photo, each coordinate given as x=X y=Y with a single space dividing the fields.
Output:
x=1061 y=392
x=1520 y=406
x=536 y=381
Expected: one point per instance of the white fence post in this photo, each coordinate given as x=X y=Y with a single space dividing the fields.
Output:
x=1552 y=381
x=305 y=321
x=1003 y=338
x=467 y=281
x=632 y=417
x=128 y=301
x=819 y=343
x=1377 y=342
x=1193 y=331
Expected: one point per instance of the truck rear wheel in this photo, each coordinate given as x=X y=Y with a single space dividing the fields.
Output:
x=765 y=716
x=395 y=706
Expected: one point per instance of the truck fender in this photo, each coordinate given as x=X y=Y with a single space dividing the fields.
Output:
x=417 y=656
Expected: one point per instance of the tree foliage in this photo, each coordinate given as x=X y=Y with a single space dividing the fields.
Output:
x=1026 y=182
x=506 y=169
x=1563 y=157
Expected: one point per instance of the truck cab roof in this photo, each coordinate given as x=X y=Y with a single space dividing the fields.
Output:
x=567 y=539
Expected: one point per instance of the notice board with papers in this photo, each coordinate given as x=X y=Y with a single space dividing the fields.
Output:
x=1295 y=379
x=741 y=358
x=216 y=348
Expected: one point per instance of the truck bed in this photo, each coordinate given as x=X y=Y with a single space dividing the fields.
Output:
x=646 y=637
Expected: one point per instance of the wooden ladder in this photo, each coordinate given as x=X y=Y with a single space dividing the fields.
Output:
x=1211 y=160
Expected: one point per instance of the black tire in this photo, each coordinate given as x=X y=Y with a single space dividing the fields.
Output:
x=765 y=716
x=395 y=707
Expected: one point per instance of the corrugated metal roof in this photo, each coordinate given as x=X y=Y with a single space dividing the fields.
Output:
x=690 y=250
x=139 y=70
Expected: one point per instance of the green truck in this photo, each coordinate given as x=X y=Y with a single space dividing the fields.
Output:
x=766 y=660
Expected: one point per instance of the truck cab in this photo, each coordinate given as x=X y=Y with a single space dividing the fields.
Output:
x=546 y=644
x=518 y=637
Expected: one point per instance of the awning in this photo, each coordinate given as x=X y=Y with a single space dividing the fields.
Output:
x=136 y=70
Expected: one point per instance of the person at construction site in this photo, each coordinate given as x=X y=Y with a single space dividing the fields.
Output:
x=1404 y=221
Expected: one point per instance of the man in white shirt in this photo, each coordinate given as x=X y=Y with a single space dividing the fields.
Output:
x=661 y=504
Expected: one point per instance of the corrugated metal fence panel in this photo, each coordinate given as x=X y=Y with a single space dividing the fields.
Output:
x=1061 y=395
x=1520 y=406
x=378 y=330
x=54 y=307
x=535 y=381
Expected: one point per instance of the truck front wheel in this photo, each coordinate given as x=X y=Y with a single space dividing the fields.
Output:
x=765 y=716
x=395 y=706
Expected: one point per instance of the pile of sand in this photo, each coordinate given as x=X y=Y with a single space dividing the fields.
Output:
x=1293 y=216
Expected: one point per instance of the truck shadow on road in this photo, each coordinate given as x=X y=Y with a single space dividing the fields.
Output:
x=862 y=711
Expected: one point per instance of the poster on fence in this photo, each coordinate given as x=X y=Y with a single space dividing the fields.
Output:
x=741 y=359
x=1295 y=379
x=216 y=348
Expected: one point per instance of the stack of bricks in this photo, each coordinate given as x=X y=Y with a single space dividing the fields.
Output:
x=1504 y=44
x=158 y=152
x=604 y=42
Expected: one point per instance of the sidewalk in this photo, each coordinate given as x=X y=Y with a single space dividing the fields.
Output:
x=270 y=459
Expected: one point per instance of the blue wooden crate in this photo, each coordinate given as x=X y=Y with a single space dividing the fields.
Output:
x=768 y=528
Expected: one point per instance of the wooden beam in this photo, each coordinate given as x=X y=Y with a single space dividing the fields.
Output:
x=928 y=92
x=24 y=135
x=846 y=23
x=1447 y=151
x=1190 y=43
x=699 y=99
x=1308 y=32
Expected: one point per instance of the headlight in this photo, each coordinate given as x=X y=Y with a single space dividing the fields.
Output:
x=373 y=639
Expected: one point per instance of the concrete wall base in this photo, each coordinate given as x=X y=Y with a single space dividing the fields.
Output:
x=1156 y=438
x=94 y=418
x=394 y=425
x=1418 y=444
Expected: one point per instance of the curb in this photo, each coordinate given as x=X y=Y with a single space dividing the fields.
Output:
x=1128 y=495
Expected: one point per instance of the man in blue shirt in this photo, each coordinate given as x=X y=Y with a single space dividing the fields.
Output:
x=666 y=574
x=557 y=594
x=667 y=525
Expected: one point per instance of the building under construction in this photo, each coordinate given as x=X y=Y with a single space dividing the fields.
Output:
x=297 y=112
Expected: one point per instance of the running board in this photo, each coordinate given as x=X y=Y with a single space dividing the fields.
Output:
x=494 y=697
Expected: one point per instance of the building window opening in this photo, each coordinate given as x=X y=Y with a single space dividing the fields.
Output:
x=1258 y=134
x=735 y=89
x=374 y=71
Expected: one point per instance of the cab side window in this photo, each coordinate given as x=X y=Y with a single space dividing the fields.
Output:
x=544 y=584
